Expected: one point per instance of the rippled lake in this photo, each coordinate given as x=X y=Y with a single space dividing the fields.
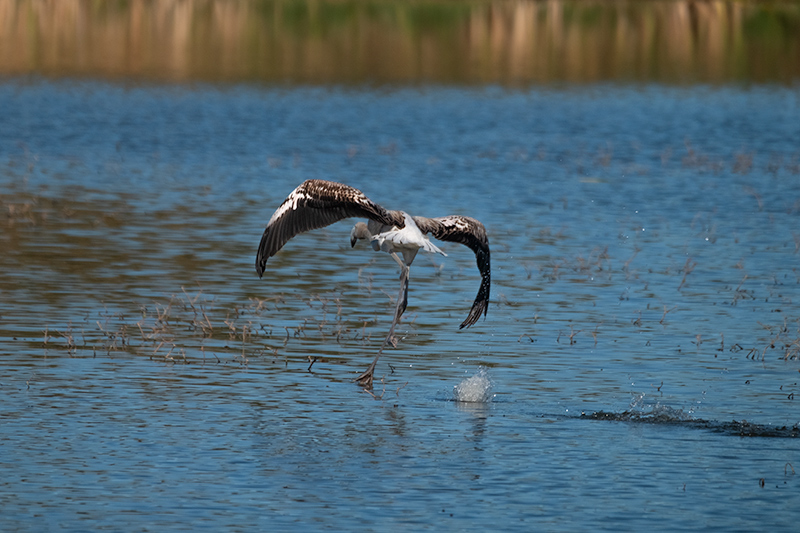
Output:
x=638 y=366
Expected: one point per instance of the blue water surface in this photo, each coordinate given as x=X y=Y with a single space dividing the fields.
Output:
x=642 y=343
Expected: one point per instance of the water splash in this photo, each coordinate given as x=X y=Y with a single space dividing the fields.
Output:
x=640 y=409
x=475 y=389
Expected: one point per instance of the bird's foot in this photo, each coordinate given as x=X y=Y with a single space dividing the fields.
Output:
x=365 y=379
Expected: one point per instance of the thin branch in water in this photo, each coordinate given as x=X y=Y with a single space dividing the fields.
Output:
x=664 y=316
x=687 y=269
x=406 y=383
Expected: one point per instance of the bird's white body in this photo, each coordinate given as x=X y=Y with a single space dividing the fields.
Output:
x=407 y=241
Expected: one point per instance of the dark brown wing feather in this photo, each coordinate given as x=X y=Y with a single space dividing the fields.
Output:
x=471 y=233
x=316 y=204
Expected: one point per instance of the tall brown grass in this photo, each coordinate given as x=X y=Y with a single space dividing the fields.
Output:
x=403 y=41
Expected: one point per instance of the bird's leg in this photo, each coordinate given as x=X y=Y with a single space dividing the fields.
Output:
x=400 y=262
x=403 y=297
x=402 y=303
x=404 y=292
x=365 y=379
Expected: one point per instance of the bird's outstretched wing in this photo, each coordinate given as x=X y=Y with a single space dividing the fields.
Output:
x=471 y=233
x=316 y=204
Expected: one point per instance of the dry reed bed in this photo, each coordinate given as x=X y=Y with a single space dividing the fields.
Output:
x=393 y=41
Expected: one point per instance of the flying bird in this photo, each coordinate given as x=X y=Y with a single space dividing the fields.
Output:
x=318 y=203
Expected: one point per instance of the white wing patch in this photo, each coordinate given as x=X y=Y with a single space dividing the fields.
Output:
x=289 y=204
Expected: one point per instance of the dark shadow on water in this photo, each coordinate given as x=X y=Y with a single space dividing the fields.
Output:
x=660 y=415
x=671 y=417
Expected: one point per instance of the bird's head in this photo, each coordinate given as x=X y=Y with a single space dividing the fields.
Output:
x=359 y=231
